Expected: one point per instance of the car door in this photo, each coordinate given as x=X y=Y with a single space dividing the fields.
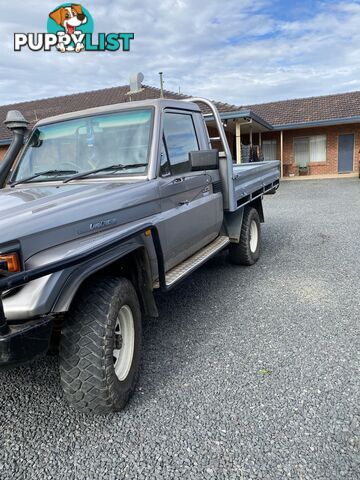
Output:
x=192 y=211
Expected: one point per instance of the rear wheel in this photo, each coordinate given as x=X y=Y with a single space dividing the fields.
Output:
x=247 y=251
x=101 y=345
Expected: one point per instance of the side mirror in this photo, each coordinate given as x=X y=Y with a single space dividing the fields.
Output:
x=204 y=160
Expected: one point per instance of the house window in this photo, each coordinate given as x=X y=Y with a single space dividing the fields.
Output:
x=310 y=149
x=269 y=149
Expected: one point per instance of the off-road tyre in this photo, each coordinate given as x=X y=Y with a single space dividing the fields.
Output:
x=87 y=344
x=244 y=253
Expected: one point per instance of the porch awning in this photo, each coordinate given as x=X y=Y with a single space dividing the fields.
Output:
x=247 y=119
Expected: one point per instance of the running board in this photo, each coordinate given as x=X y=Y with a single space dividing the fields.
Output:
x=193 y=262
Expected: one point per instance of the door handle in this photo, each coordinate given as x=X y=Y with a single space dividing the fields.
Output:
x=184 y=202
x=178 y=180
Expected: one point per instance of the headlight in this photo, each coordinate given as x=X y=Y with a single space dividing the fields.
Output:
x=10 y=263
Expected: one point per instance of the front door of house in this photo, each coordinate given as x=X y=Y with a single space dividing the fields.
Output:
x=346 y=153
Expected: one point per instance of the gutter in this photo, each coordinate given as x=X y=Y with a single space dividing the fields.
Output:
x=318 y=123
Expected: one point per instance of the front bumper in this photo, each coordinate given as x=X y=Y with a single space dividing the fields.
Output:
x=22 y=343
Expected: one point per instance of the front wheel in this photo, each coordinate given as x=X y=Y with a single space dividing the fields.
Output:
x=100 y=346
x=247 y=251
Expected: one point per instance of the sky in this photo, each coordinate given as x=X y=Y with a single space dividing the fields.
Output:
x=236 y=51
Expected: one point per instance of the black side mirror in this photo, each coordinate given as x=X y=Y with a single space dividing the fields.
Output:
x=204 y=160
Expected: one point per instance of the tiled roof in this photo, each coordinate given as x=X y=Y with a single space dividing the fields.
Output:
x=38 y=109
x=312 y=109
x=284 y=112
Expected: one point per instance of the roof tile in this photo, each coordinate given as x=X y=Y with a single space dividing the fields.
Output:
x=312 y=109
x=295 y=111
x=38 y=109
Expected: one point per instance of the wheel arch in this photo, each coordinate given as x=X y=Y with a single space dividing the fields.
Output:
x=134 y=264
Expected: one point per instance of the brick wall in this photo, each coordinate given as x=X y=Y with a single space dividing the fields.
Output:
x=213 y=132
x=2 y=152
x=330 y=165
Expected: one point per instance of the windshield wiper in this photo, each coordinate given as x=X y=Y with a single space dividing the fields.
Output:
x=39 y=174
x=118 y=166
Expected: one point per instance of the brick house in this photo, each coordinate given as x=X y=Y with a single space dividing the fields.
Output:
x=321 y=132
x=317 y=135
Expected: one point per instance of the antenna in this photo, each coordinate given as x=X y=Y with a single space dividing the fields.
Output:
x=161 y=85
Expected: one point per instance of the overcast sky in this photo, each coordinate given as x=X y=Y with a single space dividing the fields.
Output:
x=238 y=51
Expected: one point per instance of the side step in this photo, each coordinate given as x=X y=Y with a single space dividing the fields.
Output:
x=193 y=262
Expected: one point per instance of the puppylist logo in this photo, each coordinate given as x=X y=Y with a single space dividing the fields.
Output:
x=70 y=28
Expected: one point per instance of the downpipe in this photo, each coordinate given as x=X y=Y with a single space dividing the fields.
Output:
x=17 y=124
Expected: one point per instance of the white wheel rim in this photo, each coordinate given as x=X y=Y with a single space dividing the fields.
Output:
x=124 y=342
x=254 y=236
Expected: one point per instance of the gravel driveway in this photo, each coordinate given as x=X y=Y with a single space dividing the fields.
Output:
x=248 y=373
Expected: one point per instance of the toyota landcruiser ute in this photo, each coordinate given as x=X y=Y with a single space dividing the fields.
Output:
x=98 y=210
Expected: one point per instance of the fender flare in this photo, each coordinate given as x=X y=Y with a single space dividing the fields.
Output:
x=84 y=264
x=79 y=274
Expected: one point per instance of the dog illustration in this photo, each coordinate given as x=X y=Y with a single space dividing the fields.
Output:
x=69 y=18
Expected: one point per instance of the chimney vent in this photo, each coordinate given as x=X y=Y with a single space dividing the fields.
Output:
x=136 y=80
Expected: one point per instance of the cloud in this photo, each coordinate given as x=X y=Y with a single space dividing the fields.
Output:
x=239 y=52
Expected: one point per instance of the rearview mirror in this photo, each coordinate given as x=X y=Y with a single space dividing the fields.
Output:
x=204 y=160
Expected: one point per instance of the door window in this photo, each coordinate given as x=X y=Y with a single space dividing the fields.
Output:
x=180 y=138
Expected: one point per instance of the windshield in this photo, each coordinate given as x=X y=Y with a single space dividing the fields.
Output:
x=89 y=143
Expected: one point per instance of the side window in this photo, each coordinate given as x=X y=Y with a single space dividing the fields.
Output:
x=180 y=139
